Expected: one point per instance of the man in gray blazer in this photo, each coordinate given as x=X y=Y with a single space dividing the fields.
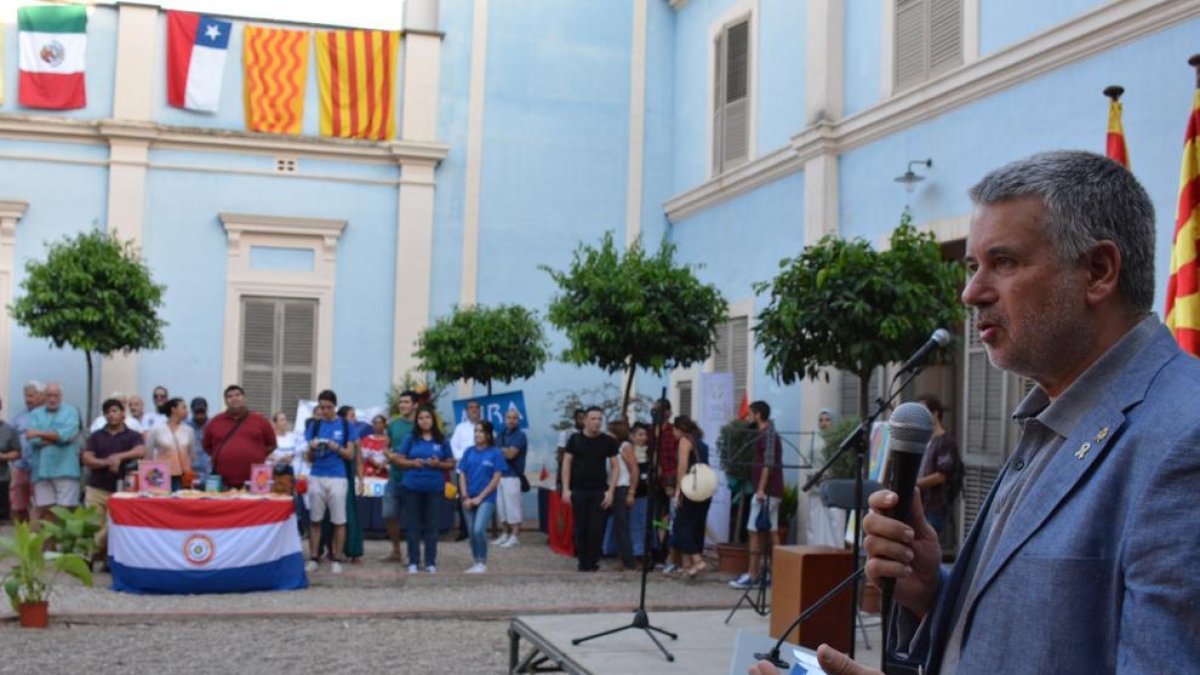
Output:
x=1084 y=556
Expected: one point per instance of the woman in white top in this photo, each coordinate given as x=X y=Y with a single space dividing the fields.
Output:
x=286 y=443
x=626 y=494
x=173 y=442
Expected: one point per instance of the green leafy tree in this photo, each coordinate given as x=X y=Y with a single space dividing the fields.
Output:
x=92 y=293
x=844 y=305
x=624 y=312
x=484 y=344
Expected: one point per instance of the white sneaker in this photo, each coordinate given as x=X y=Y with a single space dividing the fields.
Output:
x=499 y=541
x=312 y=566
x=743 y=582
x=337 y=567
x=412 y=569
x=477 y=568
x=511 y=542
x=432 y=569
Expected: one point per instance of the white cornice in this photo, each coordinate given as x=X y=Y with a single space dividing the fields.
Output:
x=263 y=224
x=14 y=210
x=1099 y=30
x=190 y=138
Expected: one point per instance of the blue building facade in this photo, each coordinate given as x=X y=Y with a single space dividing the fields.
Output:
x=740 y=130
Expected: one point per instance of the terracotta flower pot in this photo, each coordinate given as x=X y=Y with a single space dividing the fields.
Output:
x=733 y=558
x=34 y=614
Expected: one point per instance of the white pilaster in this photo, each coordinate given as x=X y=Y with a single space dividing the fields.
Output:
x=136 y=66
x=10 y=213
x=823 y=59
x=414 y=213
x=637 y=124
x=468 y=291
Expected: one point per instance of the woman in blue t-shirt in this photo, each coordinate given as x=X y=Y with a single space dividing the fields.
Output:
x=478 y=475
x=426 y=457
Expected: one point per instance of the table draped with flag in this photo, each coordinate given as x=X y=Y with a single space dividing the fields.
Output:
x=186 y=545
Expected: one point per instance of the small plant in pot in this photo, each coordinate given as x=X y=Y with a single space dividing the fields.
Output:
x=29 y=582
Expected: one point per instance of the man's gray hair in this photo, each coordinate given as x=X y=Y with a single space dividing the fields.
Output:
x=35 y=385
x=1088 y=198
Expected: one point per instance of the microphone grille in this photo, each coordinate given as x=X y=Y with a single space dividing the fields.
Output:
x=911 y=423
x=941 y=336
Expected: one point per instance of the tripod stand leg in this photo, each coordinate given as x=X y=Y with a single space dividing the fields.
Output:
x=661 y=648
x=668 y=633
x=579 y=641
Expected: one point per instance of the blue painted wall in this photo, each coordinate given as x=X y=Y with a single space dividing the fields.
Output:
x=863 y=45
x=1062 y=109
x=781 y=63
x=740 y=242
x=100 y=68
x=1003 y=23
x=48 y=219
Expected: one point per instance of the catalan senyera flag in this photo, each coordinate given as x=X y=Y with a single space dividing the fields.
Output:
x=276 y=67
x=1183 y=292
x=1115 y=147
x=356 y=71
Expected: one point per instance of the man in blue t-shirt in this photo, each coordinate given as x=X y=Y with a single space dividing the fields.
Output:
x=514 y=445
x=329 y=441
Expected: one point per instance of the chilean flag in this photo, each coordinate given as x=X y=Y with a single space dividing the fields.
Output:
x=196 y=49
x=160 y=545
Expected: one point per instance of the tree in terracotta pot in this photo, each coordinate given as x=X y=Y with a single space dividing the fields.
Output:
x=29 y=582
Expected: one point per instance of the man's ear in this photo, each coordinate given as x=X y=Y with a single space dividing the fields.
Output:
x=1103 y=264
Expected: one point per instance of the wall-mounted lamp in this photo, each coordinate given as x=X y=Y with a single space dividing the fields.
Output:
x=910 y=177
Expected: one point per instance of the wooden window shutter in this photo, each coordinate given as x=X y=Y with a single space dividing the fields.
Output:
x=735 y=143
x=278 y=353
x=298 y=346
x=945 y=35
x=849 y=393
x=739 y=357
x=909 y=44
x=684 y=387
x=258 y=352
x=986 y=409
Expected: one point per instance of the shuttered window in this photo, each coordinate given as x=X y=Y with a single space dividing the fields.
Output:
x=278 y=352
x=989 y=434
x=849 y=393
x=731 y=97
x=684 y=388
x=732 y=354
x=927 y=40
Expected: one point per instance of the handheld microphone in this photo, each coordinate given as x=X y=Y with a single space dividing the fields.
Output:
x=939 y=339
x=910 y=427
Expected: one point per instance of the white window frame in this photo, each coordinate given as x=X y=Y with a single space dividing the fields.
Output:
x=745 y=10
x=316 y=234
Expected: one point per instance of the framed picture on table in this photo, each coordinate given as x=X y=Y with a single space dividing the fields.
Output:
x=154 y=477
x=261 y=479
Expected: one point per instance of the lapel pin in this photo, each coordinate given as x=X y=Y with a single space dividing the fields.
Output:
x=1102 y=434
x=1083 y=450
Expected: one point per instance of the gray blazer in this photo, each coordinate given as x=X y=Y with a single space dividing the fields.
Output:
x=1098 y=570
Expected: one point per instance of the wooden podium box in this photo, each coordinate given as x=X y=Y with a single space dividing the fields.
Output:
x=800 y=575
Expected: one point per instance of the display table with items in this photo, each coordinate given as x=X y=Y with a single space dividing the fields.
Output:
x=203 y=542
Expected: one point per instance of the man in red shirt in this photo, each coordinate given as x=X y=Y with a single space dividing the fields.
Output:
x=237 y=438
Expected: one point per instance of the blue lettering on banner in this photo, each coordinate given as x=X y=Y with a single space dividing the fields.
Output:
x=493 y=408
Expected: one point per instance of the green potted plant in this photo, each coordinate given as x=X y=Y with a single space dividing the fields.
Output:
x=736 y=445
x=29 y=582
x=73 y=530
x=787 y=510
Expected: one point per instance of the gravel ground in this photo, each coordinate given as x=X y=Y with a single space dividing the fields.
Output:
x=374 y=615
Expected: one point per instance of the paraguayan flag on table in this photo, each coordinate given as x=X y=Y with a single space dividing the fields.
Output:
x=203 y=546
x=196 y=49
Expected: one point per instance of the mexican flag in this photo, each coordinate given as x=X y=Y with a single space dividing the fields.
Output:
x=53 y=40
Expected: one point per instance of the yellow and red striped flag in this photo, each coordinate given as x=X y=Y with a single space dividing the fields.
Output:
x=356 y=72
x=1183 y=294
x=276 y=67
x=1115 y=146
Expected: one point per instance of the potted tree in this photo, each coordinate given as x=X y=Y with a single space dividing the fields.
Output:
x=29 y=582
x=736 y=443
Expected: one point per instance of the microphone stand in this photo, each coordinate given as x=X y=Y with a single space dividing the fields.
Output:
x=858 y=441
x=641 y=619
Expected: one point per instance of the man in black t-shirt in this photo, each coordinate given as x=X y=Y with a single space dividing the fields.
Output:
x=589 y=483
